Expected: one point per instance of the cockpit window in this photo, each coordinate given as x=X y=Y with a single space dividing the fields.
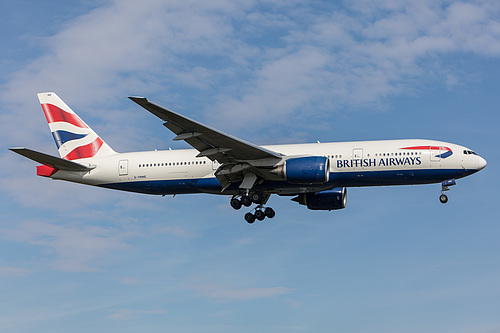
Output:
x=469 y=152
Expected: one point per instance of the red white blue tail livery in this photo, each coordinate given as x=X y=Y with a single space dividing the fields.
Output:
x=74 y=139
x=316 y=175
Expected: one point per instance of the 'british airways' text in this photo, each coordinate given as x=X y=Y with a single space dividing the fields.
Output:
x=371 y=162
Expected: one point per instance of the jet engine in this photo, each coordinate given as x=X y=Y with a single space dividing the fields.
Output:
x=305 y=170
x=324 y=200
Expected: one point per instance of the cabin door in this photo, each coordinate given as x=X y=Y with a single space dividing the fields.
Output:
x=123 y=168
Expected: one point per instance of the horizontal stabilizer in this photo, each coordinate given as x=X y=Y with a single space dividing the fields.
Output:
x=51 y=161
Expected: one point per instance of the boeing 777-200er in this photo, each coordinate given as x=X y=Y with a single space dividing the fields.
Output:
x=315 y=174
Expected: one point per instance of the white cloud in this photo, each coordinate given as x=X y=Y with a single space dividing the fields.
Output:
x=130 y=281
x=177 y=231
x=69 y=247
x=244 y=241
x=340 y=60
x=222 y=293
x=126 y=47
x=128 y=314
x=252 y=65
x=13 y=271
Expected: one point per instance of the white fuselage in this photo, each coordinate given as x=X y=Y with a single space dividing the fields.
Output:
x=351 y=164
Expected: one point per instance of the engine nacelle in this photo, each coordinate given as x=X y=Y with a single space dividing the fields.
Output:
x=306 y=170
x=324 y=200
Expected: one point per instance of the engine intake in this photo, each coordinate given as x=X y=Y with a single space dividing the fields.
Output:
x=324 y=200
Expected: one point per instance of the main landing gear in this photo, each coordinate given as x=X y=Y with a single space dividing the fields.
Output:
x=445 y=186
x=261 y=212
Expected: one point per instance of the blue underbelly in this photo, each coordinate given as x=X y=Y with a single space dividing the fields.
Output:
x=337 y=179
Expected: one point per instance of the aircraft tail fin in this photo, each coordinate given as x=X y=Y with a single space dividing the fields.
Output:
x=74 y=138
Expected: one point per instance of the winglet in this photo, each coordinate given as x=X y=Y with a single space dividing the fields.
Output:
x=134 y=98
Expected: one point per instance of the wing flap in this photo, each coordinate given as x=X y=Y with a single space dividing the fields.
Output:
x=51 y=161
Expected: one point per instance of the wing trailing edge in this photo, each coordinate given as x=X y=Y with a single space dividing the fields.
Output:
x=210 y=142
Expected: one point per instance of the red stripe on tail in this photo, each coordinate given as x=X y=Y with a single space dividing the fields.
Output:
x=56 y=114
x=85 y=151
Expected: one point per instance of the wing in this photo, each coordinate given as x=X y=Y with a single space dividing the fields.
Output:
x=49 y=160
x=210 y=142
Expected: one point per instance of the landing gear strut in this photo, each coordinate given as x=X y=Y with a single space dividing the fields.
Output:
x=260 y=212
x=445 y=187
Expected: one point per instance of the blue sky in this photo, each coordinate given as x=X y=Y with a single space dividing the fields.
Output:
x=76 y=258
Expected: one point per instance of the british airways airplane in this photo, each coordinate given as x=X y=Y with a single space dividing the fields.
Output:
x=315 y=174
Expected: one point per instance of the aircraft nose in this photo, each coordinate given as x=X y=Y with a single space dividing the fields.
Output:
x=481 y=163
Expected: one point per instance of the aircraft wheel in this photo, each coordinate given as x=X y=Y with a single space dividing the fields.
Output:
x=235 y=203
x=250 y=218
x=269 y=212
x=443 y=198
x=257 y=197
x=259 y=215
x=246 y=201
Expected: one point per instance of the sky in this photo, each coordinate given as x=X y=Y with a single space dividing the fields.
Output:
x=74 y=258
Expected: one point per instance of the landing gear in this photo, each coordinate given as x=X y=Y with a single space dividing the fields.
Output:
x=250 y=218
x=246 y=201
x=257 y=197
x=259 y=215
x=445 y=186
x=235 y=203
x=260 y=212
x=269 y=212
x=443 y=198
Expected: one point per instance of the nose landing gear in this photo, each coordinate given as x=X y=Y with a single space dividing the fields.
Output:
x=445 y=187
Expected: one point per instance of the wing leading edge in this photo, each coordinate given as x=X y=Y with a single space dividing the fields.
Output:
x=210 y=142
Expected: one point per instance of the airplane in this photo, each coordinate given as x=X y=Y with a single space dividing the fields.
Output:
x=316 y=175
